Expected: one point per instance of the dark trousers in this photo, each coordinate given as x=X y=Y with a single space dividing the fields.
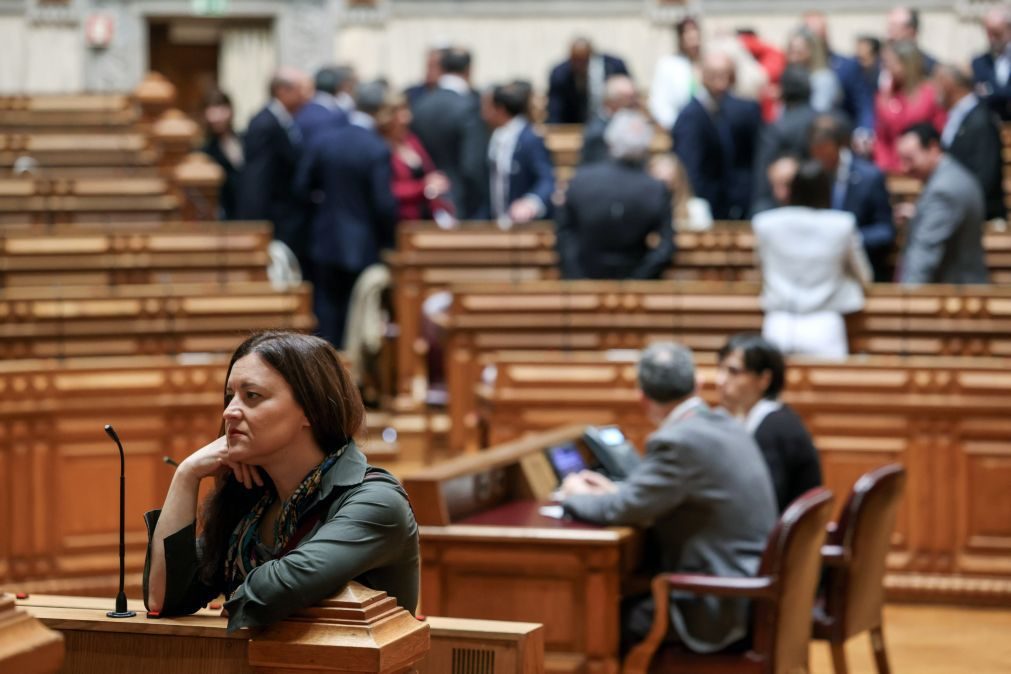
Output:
x=331 y=297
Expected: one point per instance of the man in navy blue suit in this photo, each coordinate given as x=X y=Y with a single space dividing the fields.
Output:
x=346 y=175
x=323 y=110
x=858 y=187
x=716 y=138
x=903 y=25
x=521 y=175
x=272 y=146
x=992 y=71
x=576 y=86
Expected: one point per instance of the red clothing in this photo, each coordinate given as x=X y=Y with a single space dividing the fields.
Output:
x=409 y=184
x=773 y=62
x=896 y=112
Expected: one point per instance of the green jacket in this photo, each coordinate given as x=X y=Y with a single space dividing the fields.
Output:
x=368 y=534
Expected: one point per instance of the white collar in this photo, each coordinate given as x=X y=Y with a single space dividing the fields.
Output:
x=964 y=105
x=328 y=101
x=684 y=409
x=842 y=172
x=454 y=83
x=280 y=112
x=359 y=118
x=758 y=412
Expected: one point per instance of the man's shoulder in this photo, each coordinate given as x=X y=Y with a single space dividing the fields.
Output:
x=982 y=61
x=262 y=121
x=866 y=170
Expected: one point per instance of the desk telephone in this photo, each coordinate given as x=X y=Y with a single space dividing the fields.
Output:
x=607 y=451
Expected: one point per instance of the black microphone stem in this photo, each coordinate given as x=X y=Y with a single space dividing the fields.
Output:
x=121 y=607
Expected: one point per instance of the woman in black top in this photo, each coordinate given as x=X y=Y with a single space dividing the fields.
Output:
x=224 y=146
x=750 y=378
x=297 y=512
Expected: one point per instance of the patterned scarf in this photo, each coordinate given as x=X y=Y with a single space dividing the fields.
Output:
x=243 y=554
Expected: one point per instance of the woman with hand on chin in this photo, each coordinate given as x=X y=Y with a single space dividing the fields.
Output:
x=297 y=513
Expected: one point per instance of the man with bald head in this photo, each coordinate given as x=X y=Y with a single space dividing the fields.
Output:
x=576 y=86
x=903 y=25
x=972 y=135
x=619 y=94
x=272 y=146
x=992 y=70
x=715 y=137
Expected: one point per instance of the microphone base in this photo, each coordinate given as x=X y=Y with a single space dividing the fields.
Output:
x=121 y=614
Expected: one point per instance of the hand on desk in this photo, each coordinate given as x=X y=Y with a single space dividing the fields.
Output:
x=585 y=482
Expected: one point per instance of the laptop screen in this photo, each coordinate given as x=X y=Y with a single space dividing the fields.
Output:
x=566 y=459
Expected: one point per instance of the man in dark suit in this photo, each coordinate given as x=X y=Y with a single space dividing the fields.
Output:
x=704 y=490
x=433 y=71
x=272 y=146
x=903 y=25
x=611 y=209
x=944 y=243
x=858 y=187
x=716 y=137
x=972 y=135
x=576 y=86
x=322 y=110
x=788 y=135
x=346 y=174
x=521 y=175
x=619 y=94
x=992 y=71
x=448 y=123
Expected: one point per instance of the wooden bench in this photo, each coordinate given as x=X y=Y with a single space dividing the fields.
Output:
x=86 y=112
x=945 y=419
x=144 y=319
x=112 y=150
x=95 y=255
x=89 y=199
x=600 y=315
x=429 y=259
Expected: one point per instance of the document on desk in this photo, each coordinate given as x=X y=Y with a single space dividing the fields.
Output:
x=554 y=511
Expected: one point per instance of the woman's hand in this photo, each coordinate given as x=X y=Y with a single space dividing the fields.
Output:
x=212 y=460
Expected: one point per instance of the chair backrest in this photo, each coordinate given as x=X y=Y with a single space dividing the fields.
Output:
x=793 y=558
x=864 y=530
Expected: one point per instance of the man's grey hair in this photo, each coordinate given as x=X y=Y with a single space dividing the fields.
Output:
x=959 y=75
x=629 y=135
x=370 y=97
x=667 y=372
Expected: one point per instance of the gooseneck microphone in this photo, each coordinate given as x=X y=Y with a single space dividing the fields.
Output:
x=121 y=609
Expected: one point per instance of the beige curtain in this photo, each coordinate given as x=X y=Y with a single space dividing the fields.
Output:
x=248 y=56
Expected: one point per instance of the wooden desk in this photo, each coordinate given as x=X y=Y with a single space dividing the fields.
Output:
x=359 y=630
x=488 y=553
x=26 y=646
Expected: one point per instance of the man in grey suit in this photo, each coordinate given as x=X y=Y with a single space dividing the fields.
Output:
x=704 y=489
x=944 y=243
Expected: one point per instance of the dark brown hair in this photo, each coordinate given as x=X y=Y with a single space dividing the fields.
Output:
x=812 y=186
x=323 y=388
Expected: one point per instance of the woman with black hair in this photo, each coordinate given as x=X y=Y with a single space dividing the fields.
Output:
x=814 y=268
x=750 y=378
x=297 y=512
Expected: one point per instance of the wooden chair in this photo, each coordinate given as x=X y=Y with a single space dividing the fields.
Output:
x=783 y=593
x=854 y=556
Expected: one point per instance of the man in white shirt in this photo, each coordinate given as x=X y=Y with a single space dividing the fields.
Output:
x=521 y=181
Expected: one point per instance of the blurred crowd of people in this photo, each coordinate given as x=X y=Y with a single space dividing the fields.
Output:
x=796 y=137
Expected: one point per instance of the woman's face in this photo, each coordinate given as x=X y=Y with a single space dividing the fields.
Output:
x=893 y=65
x=739 y=387
x=219 y=118
x=262 y=417
x=691 y=41
x=798 y=52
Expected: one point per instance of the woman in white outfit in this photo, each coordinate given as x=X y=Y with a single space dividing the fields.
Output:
x=675 y=77
x=814 y=268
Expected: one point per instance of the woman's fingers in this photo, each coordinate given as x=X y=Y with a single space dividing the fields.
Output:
x=255 y=472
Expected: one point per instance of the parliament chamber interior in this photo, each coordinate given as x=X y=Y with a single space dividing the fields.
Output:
x=496 y=337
